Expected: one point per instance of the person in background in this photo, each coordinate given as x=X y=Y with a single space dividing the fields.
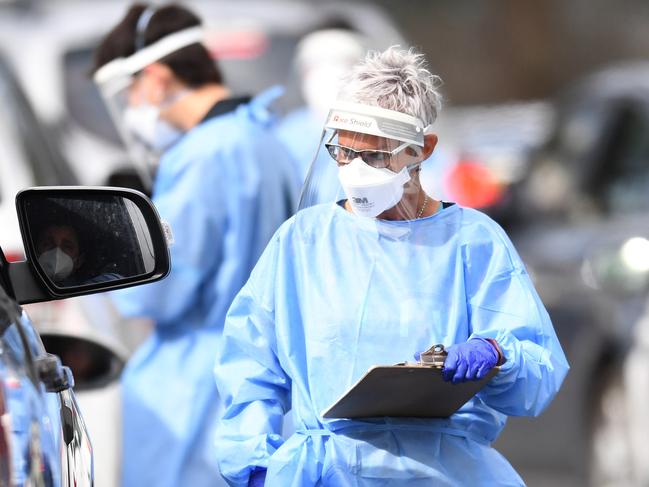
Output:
x=377 y=274
x=224 y=183
x=322 y=58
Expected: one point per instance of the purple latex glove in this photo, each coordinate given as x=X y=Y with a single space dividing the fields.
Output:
x=257 y=478
x=471 y=360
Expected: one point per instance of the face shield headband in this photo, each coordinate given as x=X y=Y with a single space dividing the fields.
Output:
x=381 y=122
x=116 y=75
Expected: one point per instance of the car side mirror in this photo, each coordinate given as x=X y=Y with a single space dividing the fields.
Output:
x=127 y=177
x=81 y=240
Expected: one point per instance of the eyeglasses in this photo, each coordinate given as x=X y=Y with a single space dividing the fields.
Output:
x=379 y=159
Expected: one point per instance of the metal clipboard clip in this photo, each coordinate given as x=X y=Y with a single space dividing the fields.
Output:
x=434 y=356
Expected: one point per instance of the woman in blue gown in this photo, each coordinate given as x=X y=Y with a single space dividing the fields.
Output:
x=373 y=278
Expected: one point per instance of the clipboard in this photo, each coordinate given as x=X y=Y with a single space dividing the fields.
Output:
x=404 y=390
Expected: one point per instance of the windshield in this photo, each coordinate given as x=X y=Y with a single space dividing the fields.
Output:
x=25 y=146
x=626 y=170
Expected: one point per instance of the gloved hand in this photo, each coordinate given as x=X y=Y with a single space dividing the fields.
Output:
x=257 y=478
x=471 y=360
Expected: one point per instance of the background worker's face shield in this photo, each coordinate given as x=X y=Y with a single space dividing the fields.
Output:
x=123 y=85
x=370 y=158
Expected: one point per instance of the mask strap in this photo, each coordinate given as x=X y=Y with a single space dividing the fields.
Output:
x=174 y=98
x=142 y=24
x=414 y=165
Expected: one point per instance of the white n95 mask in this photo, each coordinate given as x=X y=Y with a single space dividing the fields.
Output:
x=144 y=122
x=371 y=191
x=57 y=264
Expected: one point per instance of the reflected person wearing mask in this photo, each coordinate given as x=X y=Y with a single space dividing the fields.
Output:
x=62 y=257
x=58 y=252
x=224 y=184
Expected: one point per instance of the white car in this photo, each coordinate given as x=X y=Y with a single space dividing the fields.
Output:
x=90 y=325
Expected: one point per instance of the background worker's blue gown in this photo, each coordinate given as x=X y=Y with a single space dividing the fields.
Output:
x=300 y=130
x=225 y=187
x=335 y=294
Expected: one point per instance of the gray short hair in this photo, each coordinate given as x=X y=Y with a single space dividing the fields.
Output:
x=396 y=79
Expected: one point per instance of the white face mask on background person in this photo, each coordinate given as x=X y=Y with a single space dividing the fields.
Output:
x=371 y=191
x=144 y=123
x=57 y=264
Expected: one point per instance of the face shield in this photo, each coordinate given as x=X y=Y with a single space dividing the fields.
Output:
x=368 y=161
x=145 y=134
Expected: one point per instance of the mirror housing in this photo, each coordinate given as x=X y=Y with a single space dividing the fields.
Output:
x=82 y=240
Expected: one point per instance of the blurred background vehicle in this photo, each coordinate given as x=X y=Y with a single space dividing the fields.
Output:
x=583 y=231
x=483 y=153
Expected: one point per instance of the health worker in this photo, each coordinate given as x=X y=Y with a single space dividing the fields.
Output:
x=381 y=273
x=224 y=183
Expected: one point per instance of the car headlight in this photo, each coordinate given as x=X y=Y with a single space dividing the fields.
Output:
x=623 y=268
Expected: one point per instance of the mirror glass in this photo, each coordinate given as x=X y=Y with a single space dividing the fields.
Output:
x=82 y=240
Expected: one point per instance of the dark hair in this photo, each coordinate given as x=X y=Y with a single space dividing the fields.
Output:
x=192 y=65
x=334 y=22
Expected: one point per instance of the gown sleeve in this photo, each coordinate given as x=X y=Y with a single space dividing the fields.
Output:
x=503 y=305
x=185 y=201
x=251 y=382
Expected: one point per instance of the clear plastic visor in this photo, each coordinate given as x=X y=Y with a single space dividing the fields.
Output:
x=121 y=96
x=368 y=175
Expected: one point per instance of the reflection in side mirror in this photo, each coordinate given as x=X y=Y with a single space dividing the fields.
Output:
x=83 y=239
x=89 y=240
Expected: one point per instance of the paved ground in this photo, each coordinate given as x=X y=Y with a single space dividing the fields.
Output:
x=551 y=479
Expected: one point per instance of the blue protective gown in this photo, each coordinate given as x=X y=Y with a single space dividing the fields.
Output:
x=225 y=188
x=333 y=295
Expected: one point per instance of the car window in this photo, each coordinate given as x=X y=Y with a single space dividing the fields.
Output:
x=15 y=169
x=30 y=145
x=82 y=97
x=623 y=177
